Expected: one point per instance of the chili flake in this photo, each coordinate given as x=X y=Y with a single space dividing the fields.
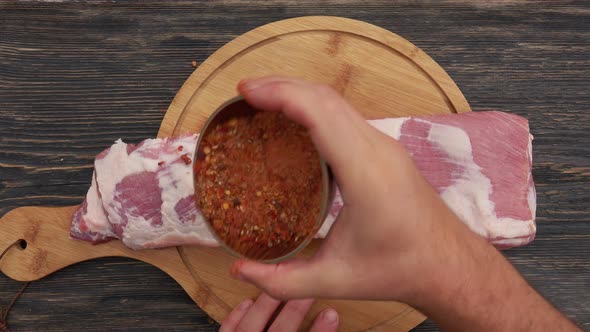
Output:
x=187 y=160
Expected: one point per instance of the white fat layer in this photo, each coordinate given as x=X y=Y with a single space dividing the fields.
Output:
x=532 y=194
x=391 y=127
x=110 y=170
x=175 y=237
x=175 y=182
x=469 y=195
x=328 y=222
x=532 y=199
x=337 y=204
x=95 y=218
x=514 y=242
x=138 y=234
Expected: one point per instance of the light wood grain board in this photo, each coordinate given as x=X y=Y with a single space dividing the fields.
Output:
x=382 y=74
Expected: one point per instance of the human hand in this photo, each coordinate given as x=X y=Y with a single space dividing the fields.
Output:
x=393 y=231
x=255 y=316
x=394 y=239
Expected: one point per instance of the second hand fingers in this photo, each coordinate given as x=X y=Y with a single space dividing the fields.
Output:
x=234 y=318
x=327 y=321
x=291 y=316
x=258 y=314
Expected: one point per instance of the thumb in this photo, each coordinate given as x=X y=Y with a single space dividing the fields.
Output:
x=288 y=280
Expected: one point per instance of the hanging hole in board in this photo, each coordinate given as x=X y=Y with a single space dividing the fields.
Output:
x=22 y=244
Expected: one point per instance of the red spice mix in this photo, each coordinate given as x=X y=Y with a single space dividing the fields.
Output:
x=259 y=184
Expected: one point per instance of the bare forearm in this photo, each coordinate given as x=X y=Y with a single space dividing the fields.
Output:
x=477 y=289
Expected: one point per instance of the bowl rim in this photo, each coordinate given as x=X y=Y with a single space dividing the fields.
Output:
x=328 y=190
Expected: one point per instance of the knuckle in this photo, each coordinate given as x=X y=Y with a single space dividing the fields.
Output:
x=279 y=88
x=277 y=291
x=297 y=309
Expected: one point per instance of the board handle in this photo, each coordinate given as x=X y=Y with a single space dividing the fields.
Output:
x=44 y=245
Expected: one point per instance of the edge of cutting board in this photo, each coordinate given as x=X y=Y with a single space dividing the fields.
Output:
x=456 y=101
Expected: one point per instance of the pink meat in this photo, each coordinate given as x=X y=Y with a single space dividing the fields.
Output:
x=185 y=209
x=80 y=230
x=90 y=222
x=480 y=163
x=432 y=161
x=129 y=205
x=512 y=148
x=503 y=139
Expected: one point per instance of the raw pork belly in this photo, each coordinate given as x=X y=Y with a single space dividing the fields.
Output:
x=90 y=222
x=146 y=194
x=479 y=162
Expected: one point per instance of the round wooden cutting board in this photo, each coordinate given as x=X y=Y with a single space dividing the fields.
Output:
x=380 y=73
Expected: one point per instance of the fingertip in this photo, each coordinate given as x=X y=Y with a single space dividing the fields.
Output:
x=330 y=316
x=243 y=86
x=235 y=270
x=249 y=271
x=233 y=319
x=246 y=304
x=327 y=320
x=263 y=276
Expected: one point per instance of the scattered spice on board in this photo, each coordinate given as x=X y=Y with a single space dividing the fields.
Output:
x=259 y=183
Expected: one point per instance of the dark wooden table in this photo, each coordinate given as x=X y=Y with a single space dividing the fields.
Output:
x=75 y=76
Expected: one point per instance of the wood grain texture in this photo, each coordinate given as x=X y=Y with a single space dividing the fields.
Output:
x=76 y=76
x=379 y=72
